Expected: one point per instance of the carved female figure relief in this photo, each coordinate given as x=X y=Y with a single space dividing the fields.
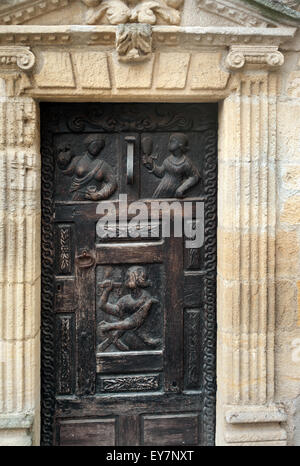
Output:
x=93 y=178
x=132 y=310
x=178 y=172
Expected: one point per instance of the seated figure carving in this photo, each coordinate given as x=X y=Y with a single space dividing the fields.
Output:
x=93 y=178
x=132 y=310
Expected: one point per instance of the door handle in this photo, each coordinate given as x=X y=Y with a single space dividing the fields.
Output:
x=85 y=260
x=130 y=158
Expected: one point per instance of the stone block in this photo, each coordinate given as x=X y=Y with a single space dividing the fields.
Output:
x=56 y=70
x=286 y=305
x=137 y=76
x=290 y=213
x=287 y=253
x=291 y=176
x=92 y=70
x=206 y=72
x=172 y=70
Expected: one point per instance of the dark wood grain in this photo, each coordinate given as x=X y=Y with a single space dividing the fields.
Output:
x=129 y=253
x=128 y=335
x=177 y=429
x=94 y=432
x=123 y=363
x=129 y=431
x=173 y=361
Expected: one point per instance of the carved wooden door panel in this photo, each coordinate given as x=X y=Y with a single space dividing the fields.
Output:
x=128 y=322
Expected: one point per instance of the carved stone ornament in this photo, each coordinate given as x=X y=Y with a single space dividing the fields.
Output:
x=133 y=11
x=14 y=58
x=240 y=55
x=134 y=42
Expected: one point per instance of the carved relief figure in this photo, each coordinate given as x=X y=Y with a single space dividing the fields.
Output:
x=93 y=178
x=178 y=172
x=133 y=11
x=132 y=310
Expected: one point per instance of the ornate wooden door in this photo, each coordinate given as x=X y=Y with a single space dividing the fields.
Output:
x=128 y=323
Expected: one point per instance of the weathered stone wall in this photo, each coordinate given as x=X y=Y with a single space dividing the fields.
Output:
x=287 y=350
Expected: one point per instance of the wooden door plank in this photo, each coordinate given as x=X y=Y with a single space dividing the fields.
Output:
x=85 y=315
x=173 y=354
x=131 y=253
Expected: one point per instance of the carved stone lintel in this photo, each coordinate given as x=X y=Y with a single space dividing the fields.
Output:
x=16 y=59
x=240 y=55
x=134 y=42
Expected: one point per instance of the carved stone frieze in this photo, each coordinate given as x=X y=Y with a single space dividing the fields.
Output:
x=134 y=42
x=133 y=11
x=235 y=13
x=240 y=55
x=30 y=9
x=16 y=58
x=162 y=35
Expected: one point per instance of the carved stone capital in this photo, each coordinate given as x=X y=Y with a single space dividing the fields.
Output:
x=240 y=55
x=134 y=42
x=16 y=59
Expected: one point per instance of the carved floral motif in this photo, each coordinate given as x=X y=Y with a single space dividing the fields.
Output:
x=128 y=384
x=133 y=11
x=65 y=249
x=134 y=42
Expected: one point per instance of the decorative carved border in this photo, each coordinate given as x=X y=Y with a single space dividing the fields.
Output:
x=29 y=10
x=235 y=13
x=47 y=284
x=167 y=35
x=210 y=261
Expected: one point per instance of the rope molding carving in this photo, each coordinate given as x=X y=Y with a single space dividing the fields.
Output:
x=47 y=282
x=210 y=259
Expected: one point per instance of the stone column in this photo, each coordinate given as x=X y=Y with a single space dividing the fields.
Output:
x=246 y=264
x=19 y=256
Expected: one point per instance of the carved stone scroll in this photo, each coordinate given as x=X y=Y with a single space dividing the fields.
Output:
x=14 y=58
x=240 y=55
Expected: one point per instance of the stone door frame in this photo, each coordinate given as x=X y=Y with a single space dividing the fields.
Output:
x=236 y=69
